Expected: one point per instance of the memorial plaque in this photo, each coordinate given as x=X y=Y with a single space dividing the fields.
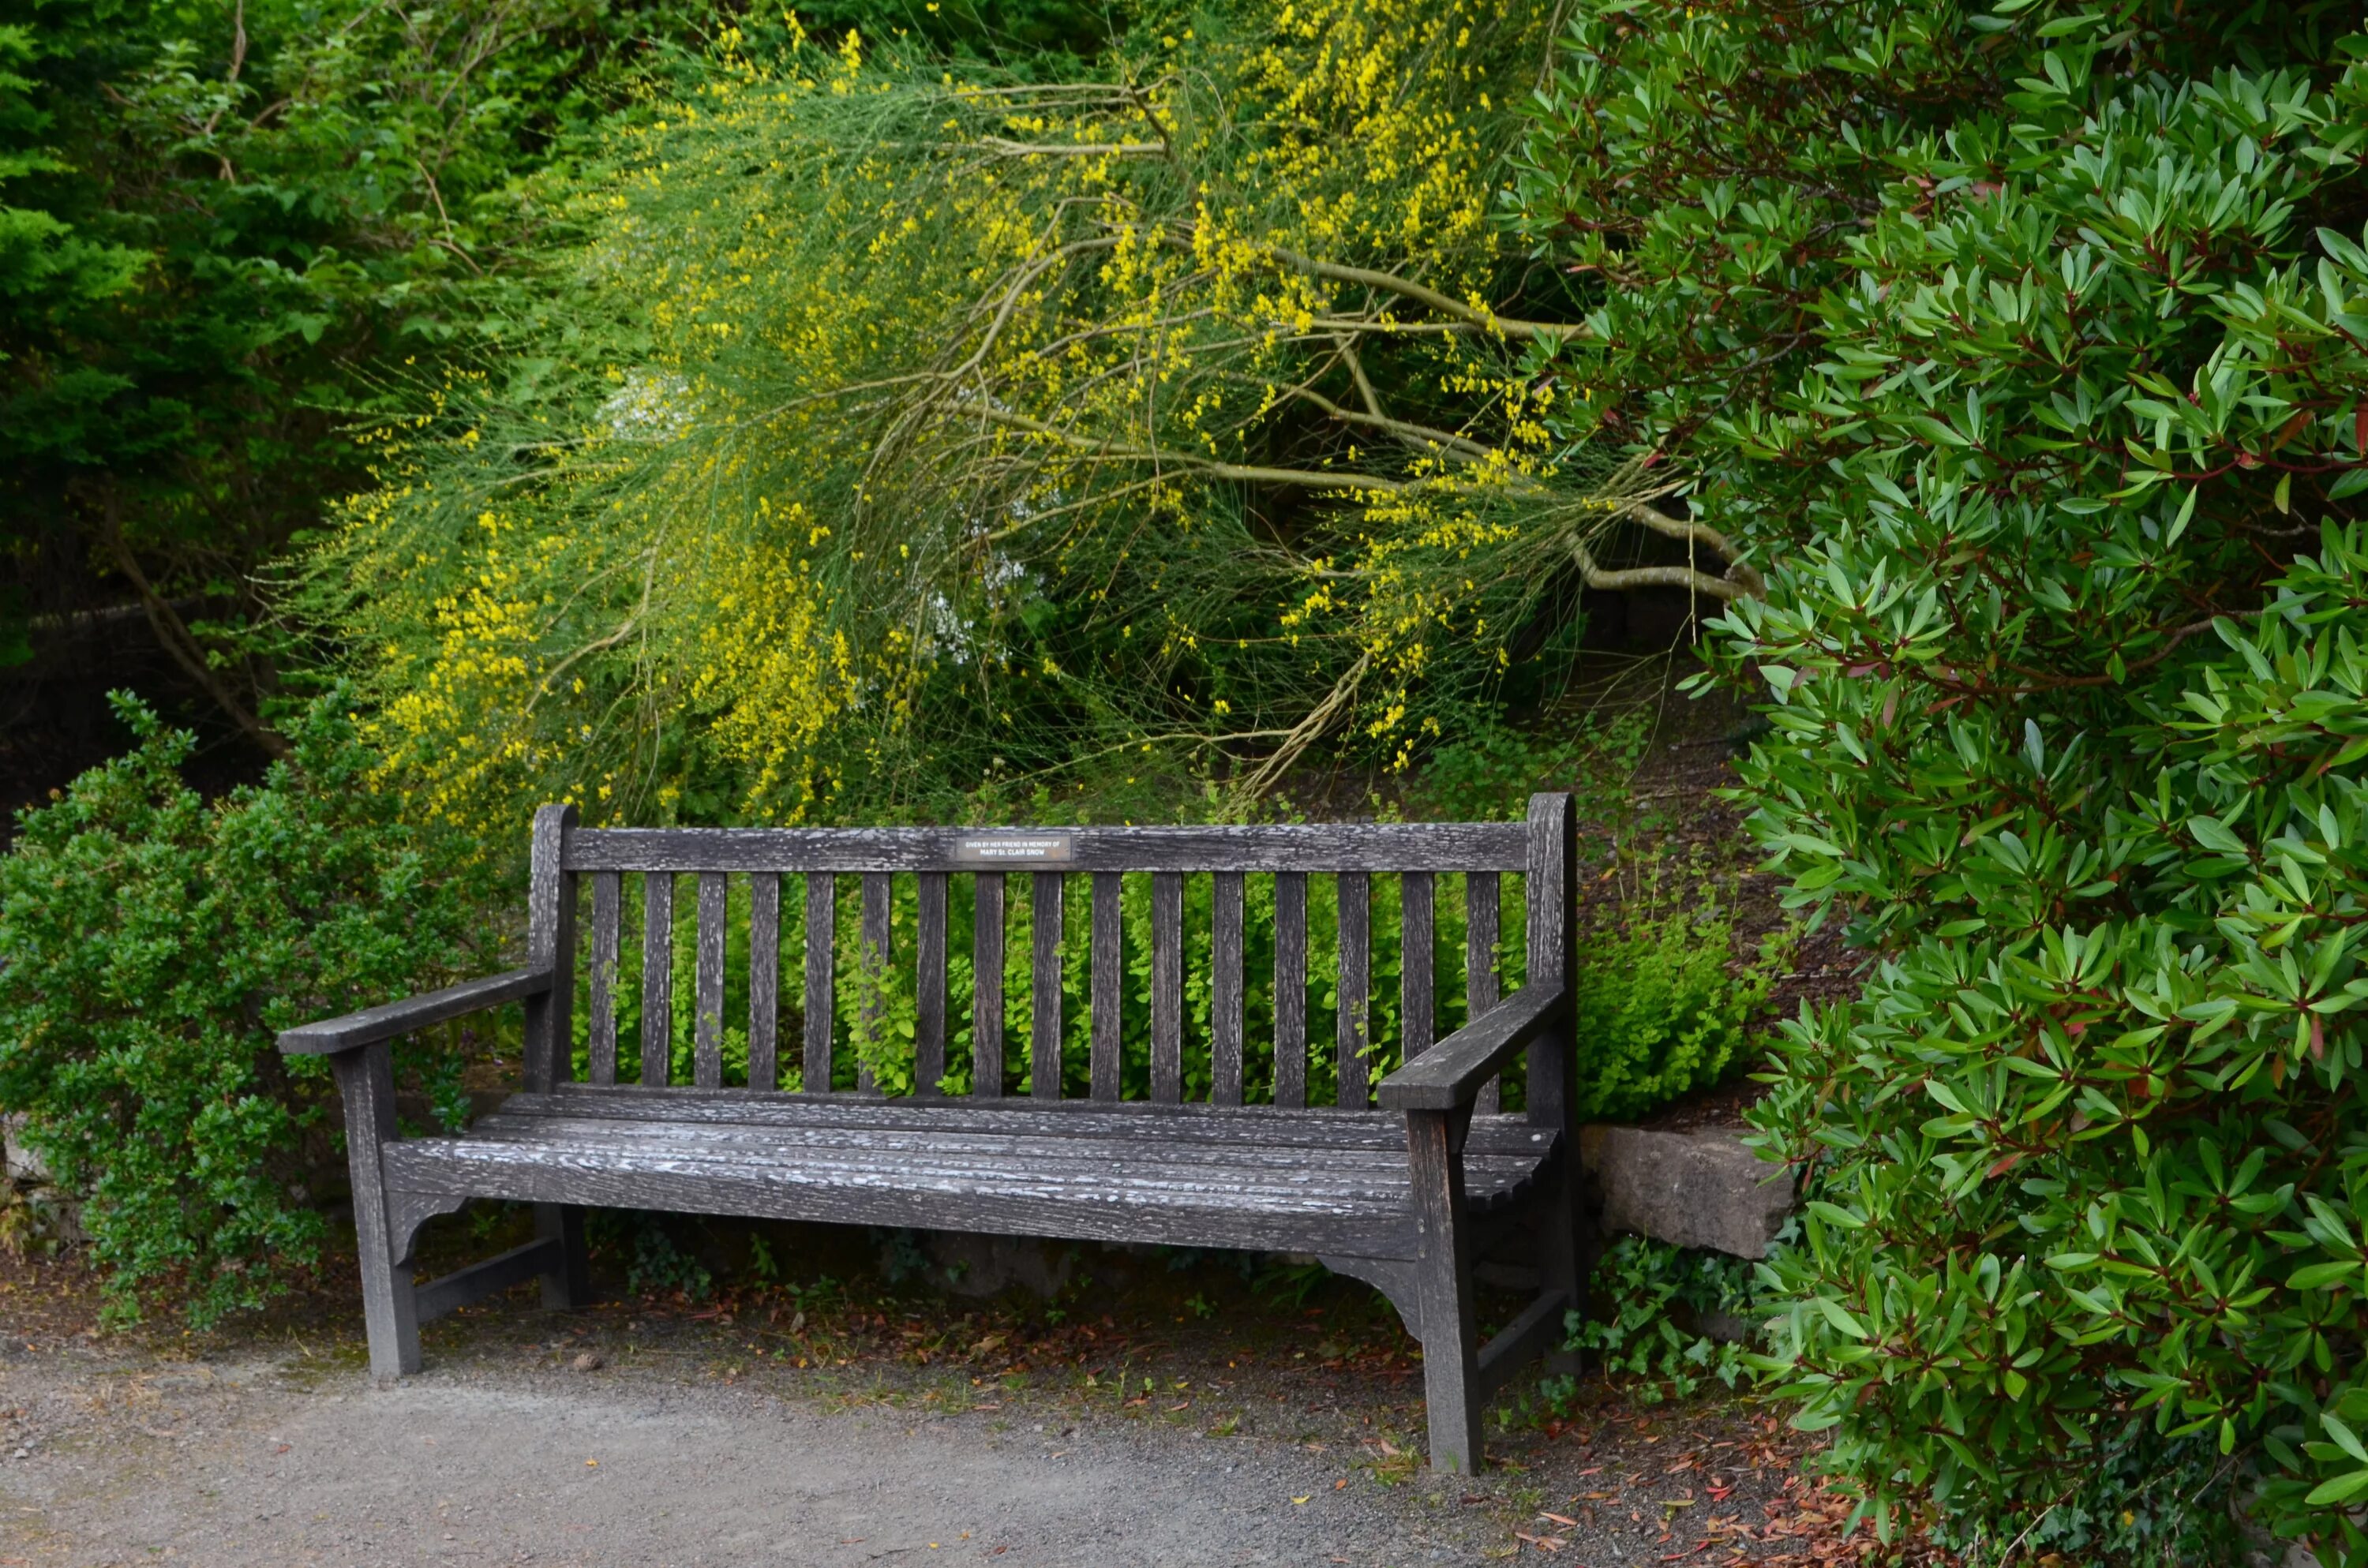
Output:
x=1016 y=848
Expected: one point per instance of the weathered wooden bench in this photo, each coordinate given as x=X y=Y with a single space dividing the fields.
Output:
x=1403 y=1196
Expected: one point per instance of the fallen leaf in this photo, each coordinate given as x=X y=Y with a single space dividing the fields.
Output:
x=1298 y=1500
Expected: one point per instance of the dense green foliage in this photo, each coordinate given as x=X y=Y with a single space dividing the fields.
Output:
x=156 y=942
x=2026 y=351
x=1660 y=1002
x=919 y=425
x=226 y=228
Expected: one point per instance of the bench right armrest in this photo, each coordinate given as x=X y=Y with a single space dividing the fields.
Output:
x=331 y=1035
x=1449 y=1073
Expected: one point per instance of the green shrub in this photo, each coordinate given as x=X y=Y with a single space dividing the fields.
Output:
x=155 y=942
x=1660 y=1002
x=2026 y=349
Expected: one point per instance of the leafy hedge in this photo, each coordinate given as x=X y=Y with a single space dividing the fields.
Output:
x=154 y=943
x=2027 y=350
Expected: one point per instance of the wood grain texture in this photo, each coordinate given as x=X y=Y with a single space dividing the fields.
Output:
x=1331 y=847
x=822 y=973
x=1480 y=974
x=1291 y=988
x=949 y=1194
x=567 y=1270
x=1416 y=937
x=1451 y=1073
x=707 y=1019
x=550 y=948
x=390 y=1305
x=501 y=1272
x=1317 y=1127
x=1226 y=989
x=929 y=982
x=877 y=954
x=1167 y=986
x=1108 y=1046
x=1353 y=1032
x=1554 y=865
x=600 y=1028
x=986 y=969
x=763 y=979
x=1450 y=1381
x=1095 y=1151
x=657 y=976
x=330 y=1036
x=1536 y=1330
x=1044 y=976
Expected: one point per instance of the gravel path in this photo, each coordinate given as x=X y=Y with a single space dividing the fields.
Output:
x=239 y=1464
x=658 y=1439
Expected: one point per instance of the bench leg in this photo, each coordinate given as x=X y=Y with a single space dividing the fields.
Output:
x=567 y=1288
x=1566 y=1248
x=1451 y=1341
x=390 y=1308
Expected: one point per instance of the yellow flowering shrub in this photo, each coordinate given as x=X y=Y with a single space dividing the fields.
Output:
x=904 y=431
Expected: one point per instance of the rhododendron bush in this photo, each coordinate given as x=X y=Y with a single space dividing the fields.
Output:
x=2025 y=349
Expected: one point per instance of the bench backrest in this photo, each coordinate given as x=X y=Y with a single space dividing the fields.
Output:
x=1005 y=866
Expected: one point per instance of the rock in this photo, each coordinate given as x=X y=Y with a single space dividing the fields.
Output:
x=586 y=1362
x=24 y=1164
x=1696 y=1190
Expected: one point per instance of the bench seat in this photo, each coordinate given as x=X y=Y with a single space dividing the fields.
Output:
x=1404 y=1177
x=1181 y=1175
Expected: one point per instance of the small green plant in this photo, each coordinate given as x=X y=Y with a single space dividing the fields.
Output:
x=659 y=1265
x=1661 y=1003
x=1652 y=1302
x=156 y=941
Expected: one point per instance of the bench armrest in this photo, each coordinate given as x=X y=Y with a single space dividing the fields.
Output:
x=371 y=1025
x=1449 y=1073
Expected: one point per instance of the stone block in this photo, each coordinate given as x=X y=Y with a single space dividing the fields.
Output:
x=1695 y=1189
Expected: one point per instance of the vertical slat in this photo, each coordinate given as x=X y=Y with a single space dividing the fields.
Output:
x=1167 y=986
x=551 y=947
x=608 y=895
x=930 y=983
x=878 y=887
x=707 y=1022
x=1291 y=989
x=657 y=975
x=1553 y=855
x=1225 y=989
x=1045 y=974
x=763 y=979
x=1354 y=1031
x=1480 y=965
x=987 y=982
x=822 y=953
x=1109 y=982
x=1416 y=896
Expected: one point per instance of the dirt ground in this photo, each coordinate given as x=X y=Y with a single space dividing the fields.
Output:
x=1176 y=1416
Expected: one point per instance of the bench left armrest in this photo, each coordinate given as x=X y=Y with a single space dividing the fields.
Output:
x=331 y=1035
x=1449 y=1073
